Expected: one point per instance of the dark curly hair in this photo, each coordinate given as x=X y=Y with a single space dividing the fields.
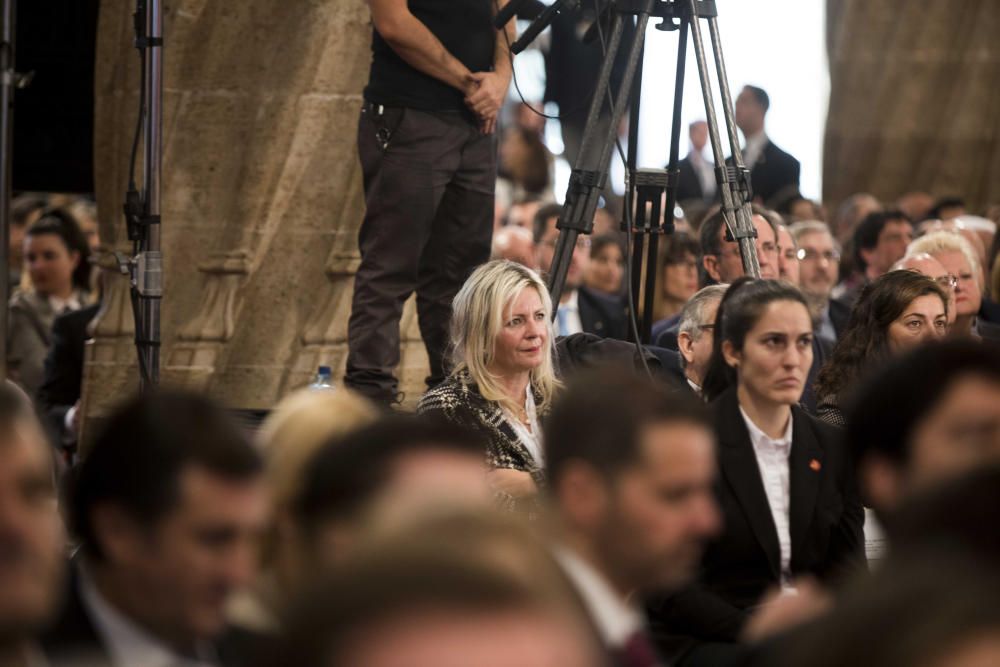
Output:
x=865 y=341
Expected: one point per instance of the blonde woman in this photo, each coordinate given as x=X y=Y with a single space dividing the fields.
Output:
x=503 y=377
x=298 y=427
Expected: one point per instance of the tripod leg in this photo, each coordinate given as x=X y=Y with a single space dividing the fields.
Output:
x=640 y=223
x=575 y=218
x=675 y=127
x=736 y=211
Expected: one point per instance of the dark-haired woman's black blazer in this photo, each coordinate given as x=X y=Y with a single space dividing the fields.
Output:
x=738 y=567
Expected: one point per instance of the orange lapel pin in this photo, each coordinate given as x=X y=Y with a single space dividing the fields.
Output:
x=815 y=465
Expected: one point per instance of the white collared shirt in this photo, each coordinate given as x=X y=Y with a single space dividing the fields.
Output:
x=531 y=437
x=694 y=386
x=772 y=459
x=617 y=621
x=568 y=315
x=753 y=149
x=705 y=171
x=61 y=305
x=129 y=645
x=826 y=330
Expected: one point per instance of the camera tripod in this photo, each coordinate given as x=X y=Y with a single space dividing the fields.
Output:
x=648 y=189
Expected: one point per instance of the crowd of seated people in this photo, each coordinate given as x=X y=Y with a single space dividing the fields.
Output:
x=563 y=496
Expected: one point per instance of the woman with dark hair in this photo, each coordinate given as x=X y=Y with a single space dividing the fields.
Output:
x=56 y=281
x=896 y=311
x=785 y=488
x=607 y=266
x=678 y=274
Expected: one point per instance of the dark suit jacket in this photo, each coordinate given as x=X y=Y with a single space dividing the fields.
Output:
x=840 y=314
x=602 y=315
x=688 y=184
x=775 y=175
x=664 y=333
x=826 y=519
x=60 y=388
x=73 y=641
x=72 y=638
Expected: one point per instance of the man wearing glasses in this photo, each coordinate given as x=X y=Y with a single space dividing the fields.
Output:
x=721 y=259
x=580 y=310
x=819 y=258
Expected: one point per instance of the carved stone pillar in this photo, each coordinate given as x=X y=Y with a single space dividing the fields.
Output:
x=261 y=194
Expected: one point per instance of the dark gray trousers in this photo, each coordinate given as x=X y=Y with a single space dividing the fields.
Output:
x=429 y=181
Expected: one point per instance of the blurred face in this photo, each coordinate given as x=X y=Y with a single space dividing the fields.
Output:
x=890 y=248
x=520 y=345
x=50 y=264
x=680 y=279
x=448 y=637
x=788 y=259
x=181 y=572
x=662 y=509
x=606 y=269
x=923 y=320
x=776 y=356
x=578 y=264
x=31 y=536
x=968 y=295
x=818 y=264
x=424 y=480
x=960 y=434
x=514 y=245
x=699 y=135
x=748 y=113
x=728 y=266
x=697 y=350
x=522 y=215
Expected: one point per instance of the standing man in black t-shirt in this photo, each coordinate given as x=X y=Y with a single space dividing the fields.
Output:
x=439 y=76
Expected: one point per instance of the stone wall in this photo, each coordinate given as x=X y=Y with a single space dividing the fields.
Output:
x=261 y=196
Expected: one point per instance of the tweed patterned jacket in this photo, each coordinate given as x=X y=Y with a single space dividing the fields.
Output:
x=458 y=400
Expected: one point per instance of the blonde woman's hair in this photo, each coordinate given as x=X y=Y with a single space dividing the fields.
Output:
x=298 y=427
x=946 y=241
x=479 y=312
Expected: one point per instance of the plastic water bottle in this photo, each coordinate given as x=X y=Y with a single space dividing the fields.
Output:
x=323 y=380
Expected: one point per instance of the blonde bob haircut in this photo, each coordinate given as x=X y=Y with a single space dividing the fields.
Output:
x=479 y=312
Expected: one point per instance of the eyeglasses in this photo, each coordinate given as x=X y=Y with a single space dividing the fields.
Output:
x=808 y=254
x=947 y=281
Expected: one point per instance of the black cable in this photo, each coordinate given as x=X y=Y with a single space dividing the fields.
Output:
x=517 y=87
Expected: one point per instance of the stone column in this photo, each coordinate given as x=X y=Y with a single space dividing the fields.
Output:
x=261 y=195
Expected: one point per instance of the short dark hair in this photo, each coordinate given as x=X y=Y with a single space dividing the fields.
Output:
x=886 y=409
x=943 y=203
x=58 y=222
x=740 y=309
x=867 y=232
x=137 y=460
x=602 y=241
x=709 y=233
x=350 y=470
x=599 y=418
x=677 y=246
x=23 y=206
x=540 y=225
x=760 y=95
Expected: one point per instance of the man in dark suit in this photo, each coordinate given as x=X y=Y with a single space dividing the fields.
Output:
x=60 y=390
x=580 y=310
x=819 y=258
x=696 y=179
x=32 y=538
x=631 y=467
x=774 y=174
x=167 y=505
